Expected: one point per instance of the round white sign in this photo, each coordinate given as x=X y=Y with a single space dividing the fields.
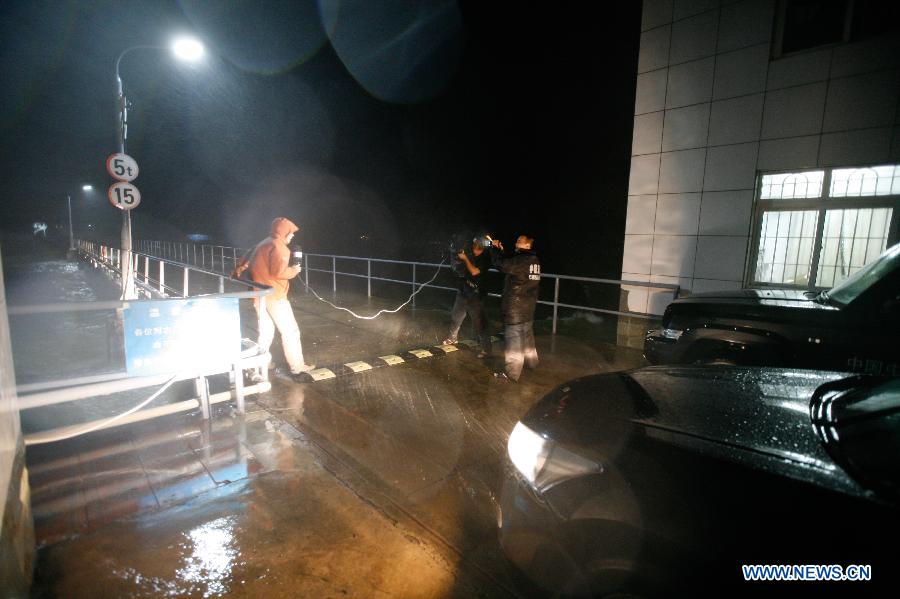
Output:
x=123 y=195
x=122 y=167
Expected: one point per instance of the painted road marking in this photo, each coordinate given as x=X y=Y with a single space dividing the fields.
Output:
x=421 y=353
x=447 y=348
x=320 y=374
x=392 y=360
x=358 y=366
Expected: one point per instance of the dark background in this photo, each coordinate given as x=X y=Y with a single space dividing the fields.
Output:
x=382 y=128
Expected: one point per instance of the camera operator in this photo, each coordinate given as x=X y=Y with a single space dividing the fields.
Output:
x=470 y=265
x=271 y=263
x=520 y=294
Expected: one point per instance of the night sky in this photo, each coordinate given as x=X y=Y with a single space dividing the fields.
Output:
x=382 y=128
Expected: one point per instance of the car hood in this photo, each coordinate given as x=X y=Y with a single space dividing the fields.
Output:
x=760 y=415
x=788 y=298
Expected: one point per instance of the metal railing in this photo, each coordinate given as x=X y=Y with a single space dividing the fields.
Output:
x=226 y=257
x=151 y=282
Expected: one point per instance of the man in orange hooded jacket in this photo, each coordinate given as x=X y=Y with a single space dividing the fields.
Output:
x=268 y=264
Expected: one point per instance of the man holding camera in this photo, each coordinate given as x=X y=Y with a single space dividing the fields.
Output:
x=470 y=266
x=520 y=294
x=270 y=264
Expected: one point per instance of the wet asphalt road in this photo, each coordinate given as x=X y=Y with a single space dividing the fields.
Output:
x=414 y=451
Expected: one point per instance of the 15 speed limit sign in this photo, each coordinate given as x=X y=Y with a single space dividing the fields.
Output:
x=124 y=195
x=122 y=167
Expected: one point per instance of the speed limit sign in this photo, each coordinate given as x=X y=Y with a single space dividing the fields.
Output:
x=122 y=167
x=124 y=195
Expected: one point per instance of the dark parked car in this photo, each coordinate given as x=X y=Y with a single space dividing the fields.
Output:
x=670 y=479
x=855 y=326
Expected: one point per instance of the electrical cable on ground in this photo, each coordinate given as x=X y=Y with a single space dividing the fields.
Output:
x=108 y=421
x=385 y=310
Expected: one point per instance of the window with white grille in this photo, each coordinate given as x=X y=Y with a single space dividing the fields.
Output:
x=815 y=228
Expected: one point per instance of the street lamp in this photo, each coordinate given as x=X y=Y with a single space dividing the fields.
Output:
x=71 y=230
x=187 y=49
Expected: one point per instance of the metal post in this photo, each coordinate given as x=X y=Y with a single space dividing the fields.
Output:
x=369 y=278
x=333 y=275
x=162 y=275
x=186 y=274
x=71 y=233
x=203 y=394
x=233 y=258
x=221 y=284
x=146 y=269
x=203 y=256
x=239 y=387
x=414 y=285
x=555 y=301
x=306 y=270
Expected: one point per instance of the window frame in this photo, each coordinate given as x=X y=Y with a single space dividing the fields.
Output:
x=821 y=205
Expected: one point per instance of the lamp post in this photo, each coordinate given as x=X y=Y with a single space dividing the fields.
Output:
x=185 y=49
x=71 y=229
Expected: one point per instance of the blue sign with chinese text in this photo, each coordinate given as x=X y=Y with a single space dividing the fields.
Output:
x=178 y=335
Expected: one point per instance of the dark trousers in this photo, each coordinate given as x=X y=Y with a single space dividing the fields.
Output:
x=472 y=306
x=520 y=349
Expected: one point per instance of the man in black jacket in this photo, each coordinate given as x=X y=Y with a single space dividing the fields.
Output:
x=520 y=294
x=470 y=266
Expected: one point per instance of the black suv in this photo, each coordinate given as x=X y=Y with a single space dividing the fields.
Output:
x=852 y=327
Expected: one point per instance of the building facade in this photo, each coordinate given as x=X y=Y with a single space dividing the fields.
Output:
x=765 y=147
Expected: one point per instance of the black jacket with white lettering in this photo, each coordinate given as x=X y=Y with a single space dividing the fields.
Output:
x=520 y=289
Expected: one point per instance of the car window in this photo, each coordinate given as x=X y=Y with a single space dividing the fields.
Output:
x=864 y=278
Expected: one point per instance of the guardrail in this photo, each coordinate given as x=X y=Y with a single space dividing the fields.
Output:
x=225 y=257
x=152 y=284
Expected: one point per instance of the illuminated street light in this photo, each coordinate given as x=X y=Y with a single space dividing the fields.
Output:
x=187 y=49
x=87 y=187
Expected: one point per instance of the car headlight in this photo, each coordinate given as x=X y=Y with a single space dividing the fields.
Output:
x=672 y=334
x=544 y=463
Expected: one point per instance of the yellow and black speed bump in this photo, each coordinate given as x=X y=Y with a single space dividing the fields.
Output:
x=324 y=373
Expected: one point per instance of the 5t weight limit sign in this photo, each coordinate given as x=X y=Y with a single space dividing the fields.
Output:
x=123 y=195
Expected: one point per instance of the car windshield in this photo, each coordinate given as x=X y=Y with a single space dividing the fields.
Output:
x=856 y=284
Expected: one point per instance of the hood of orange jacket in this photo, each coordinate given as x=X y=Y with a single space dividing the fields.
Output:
x=282 y=227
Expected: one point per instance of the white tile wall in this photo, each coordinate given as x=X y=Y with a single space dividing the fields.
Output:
x=655 y=13
x=741 y=72
x=635 y=296
x=650 y=92
x=686 y=8
x=860 y=101
x=864 y=56
x=708 y=285
x=736 y=120
x=745 y=24
x=690 y=83
x=720 y=258
x=673 y=255
x=730 y=167
x=654 y=52
x=641 y=214
x=726 y=212
x=794 y=111
x=647 y=134
x=793 y=152
x=694 y=37
x=860 y=147
x=685 y=128
x=644 y=175
x=681 y=171
x=638 y=249
x=806 y=67
x=677 y=213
